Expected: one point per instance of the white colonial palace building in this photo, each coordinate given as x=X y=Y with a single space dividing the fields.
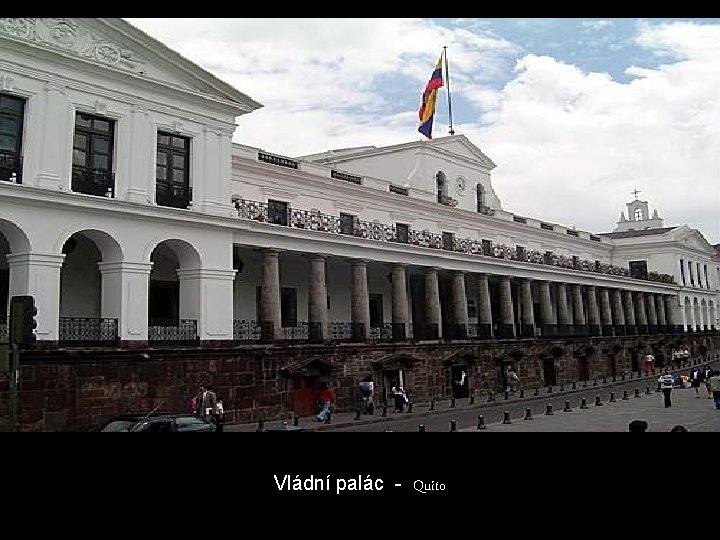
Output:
x=129 y=214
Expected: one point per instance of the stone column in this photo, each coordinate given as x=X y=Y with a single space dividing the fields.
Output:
x=565 y=323
x=606 y=313
x=484 y=307
x=38 y=275
x=593 y=312
x=433 y=315
x=661 y=319
x=618 y=313
x=360 y=300
x=317 y=300
x=630 y=325
x=400 y=307
x=56 y=135
x=640 y=313
x=460 y=312
x=674 y=320
x=125 y=290
x=270 y=317
x=527 y=314
x=547 y=316
x=506 y=328
x=206 y=296
x=578 y=312
x=135 y=175
x=651 y=313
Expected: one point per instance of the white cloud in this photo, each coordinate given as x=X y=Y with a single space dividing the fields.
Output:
x=598 y=24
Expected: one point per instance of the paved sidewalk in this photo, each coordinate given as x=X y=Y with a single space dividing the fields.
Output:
x=346 y=419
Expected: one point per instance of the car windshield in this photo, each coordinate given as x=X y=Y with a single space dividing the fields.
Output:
x=119 y=425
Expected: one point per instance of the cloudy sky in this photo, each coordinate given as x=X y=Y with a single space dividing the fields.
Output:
x=575 y=112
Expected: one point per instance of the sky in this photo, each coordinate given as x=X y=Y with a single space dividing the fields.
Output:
x=576 y=113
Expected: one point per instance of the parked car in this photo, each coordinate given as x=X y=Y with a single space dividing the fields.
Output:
x=157 y=422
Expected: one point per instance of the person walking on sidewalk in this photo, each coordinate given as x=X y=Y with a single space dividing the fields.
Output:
x=697 y=378
x=666 y=385
x=715 y=387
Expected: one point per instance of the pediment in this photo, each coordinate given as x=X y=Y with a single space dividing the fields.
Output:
x=116 y=44
x=693 y=239
x=461 y=146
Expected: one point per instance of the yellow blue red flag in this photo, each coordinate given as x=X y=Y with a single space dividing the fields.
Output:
x=429 y=98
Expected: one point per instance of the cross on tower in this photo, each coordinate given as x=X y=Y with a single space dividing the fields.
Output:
x=635 y=192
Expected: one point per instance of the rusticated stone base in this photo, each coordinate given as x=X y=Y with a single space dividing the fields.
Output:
x=68 y=390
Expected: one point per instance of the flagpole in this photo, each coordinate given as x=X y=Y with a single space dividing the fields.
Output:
x=447 y=78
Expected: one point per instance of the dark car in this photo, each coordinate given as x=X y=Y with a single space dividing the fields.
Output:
x=157 y=422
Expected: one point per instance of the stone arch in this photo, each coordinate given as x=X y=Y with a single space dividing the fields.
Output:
x=12 y=240
x=16 y=239
x=187 y=255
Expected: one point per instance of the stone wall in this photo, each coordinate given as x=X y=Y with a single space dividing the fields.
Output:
x=69 y=390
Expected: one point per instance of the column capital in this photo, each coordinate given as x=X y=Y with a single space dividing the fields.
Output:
x=51 y=260
x=273 y=252
x=117 y=267
x=363 y=262
x=318 y=256
x=206 y=273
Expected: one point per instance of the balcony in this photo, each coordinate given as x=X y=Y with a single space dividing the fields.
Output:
x=172 y=195
x=172 y=332
x=381 y=232
x=98 y=182
x=10 y=167
x=81 y=331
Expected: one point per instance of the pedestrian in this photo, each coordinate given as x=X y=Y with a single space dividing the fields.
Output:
x=649 y=363
x=327 y=399
x=715 y=387
x=219 y=417
x=365 y=395
x=513 y=380
x=666 y=385
x=638 y=426
x=708 y=374
x=197 y=401
x=209 y=404
x=696 y=377
x=399 y=396
x=679 y=428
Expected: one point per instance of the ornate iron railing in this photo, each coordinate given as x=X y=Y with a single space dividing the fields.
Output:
x=299 y=332
x=11 y=167
x=244 y=330
x=277 y=160
x=171 y=331
x=87 y=331
x=89 y=181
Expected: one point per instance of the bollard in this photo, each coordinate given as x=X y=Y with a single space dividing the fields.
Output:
x=548 y=409
x=421 y=428
x=537 y=392
x=574 y=386
x=296 y=420
x=357 y=414
x=522 y=393
x=612 y=397
x=647 y=390
x=481 y=422
x=598 y=401
x=583 y=404
x=384 y=413
x=453 y=425
x=410 y=406
x=506 y=418
x=625 y=395
x=567 y=407
x=595 y=382
x=452 y=403
x=432 y=404
x=260 y=426
x=637 y=392
x=528 y=414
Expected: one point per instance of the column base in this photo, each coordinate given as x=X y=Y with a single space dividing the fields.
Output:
x=527 y=330
x=484 y=331
x=549 y=330
x=643 y=329
x=594 y=330
x=631 y=330
x=620 y=330
x=505 y=331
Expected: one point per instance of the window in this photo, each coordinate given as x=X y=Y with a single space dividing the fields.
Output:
x=472 y=308
x=398 y=190
x=520 y=253
x=347 y=224
x=441 y=183
x=92 y=156
x=172 y=171
x=480 y=195
x=376 y=310
x=337 y=175
x=638 y=269
x=638 y=214
x=288 y=307
x=690 y=273
x=547 y=227
x=164 y=426
x=571 y=232
x=401 y=232
x=707 y=282
x=448 y=241
x=278 y=212
x=12 y=111
x=486 y=247
x=699 y=275
x=682 y=271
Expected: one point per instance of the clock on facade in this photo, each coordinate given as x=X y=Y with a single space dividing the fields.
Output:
x=460 y=185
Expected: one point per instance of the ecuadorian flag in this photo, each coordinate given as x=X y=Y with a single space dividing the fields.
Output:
x=429 y=98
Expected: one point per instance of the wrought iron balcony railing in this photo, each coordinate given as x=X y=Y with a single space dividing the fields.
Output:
x=172 y=332
x=316 y=220
x=172 y=195
x=11 y=167
x=88 y=331
x=99 y=182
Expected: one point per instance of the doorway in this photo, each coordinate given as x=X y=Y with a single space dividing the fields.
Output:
x=549 y=373
x=376 y=310
x=583 y=369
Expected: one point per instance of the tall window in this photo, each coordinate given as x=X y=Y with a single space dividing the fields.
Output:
x=347 y=223
x=638 y=214
x=638 y=269
x=682 y=271
x=707 y=282
x=690 y=273
x=278 y=212
x=441 y=183
x=92 y=155
x=401 y=232
x=699 y=275
x=448 y=241
x=12 y=111
x=480 y=195
x=172 y=171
